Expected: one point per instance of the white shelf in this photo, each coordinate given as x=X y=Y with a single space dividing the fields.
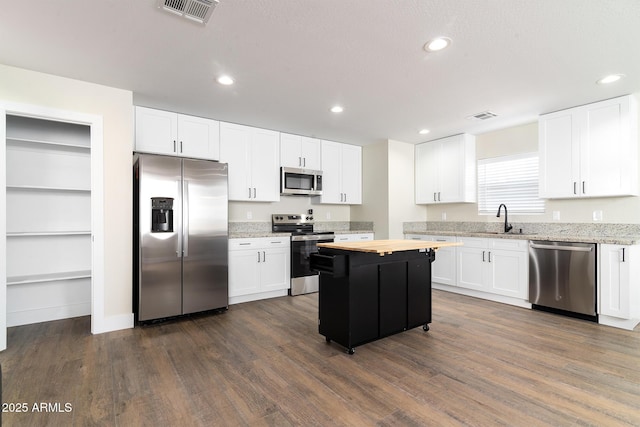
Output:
x=47 y=233
x=49 y=143
x=46 y=188
x=51 y=277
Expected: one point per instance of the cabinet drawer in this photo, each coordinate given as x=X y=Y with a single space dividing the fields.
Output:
x=259 y=242
x=473 y=242
x=509 y=244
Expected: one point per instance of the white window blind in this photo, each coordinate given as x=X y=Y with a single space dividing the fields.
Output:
x=512 y=180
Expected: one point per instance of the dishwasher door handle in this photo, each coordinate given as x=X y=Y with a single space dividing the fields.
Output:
x=560 y=247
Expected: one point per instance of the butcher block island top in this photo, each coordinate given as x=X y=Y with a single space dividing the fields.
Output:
x=383 y=247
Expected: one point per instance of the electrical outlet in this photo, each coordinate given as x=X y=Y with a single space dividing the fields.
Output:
x=444 y=216
x=597 y=215
x=249 y=215
x=556 y=215
x=328 y=215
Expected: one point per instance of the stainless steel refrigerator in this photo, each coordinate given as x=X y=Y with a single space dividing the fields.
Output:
x=180 y=236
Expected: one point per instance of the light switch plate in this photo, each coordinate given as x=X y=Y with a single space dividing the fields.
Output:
x=556 y=215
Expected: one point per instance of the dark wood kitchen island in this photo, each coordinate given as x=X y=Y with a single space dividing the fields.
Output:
x=373 y=289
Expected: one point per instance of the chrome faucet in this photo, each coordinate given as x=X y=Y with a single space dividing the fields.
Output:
x=507 y=226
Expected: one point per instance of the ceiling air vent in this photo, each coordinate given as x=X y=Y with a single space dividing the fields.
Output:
x=485 y=115
x=195 y=10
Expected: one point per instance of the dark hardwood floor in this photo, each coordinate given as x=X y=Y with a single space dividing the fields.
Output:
x=264 y=363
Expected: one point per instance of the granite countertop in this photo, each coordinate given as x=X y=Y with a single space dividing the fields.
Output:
x=555 y=237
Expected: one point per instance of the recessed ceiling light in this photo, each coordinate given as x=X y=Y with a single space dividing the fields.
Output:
x=610 y=79
x=336 y=109
x=225 y=80
x=437 y=44
x=424 y=131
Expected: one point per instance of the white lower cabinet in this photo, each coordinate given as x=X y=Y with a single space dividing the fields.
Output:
x=259 y=268
x=353 y=237
x=619 y=287
x=443 y=269
x=497 y=266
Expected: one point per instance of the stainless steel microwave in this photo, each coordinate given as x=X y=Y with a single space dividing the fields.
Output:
x=300 y=182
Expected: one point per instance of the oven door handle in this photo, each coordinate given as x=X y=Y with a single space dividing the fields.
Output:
x=311 y=238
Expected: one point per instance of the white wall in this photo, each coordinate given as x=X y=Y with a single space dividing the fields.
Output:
x=375 y=202
x=523 y=139
x=388 y=193
x=116 y=108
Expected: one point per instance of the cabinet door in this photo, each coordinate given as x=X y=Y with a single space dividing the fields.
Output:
x=156 y=131
x=264 y=160
x=274 y=269
x=352 y=174
x=508 y=273
x=426 y=172
x=234 y=149
x=310 y=152
x=443 y=269
x=290 y=150
x=198 y=137
x=472 y=266
x=451 y=171
x=615 y=281
x=244 y=275
x=606 y=154
x=558 y=144
x=331 y=173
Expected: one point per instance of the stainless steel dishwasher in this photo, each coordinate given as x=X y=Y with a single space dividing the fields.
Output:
x=562 y=278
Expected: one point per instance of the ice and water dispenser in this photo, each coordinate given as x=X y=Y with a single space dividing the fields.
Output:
x=162 y=215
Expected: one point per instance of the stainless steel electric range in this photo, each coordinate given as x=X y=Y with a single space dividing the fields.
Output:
x=304 y=242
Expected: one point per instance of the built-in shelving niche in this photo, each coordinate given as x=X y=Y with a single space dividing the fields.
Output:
x=48 y=220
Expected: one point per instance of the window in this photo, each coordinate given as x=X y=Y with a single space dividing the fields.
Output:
x=512 y=180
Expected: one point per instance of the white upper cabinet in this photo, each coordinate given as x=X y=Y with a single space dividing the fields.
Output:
x=299 y=151
x=590 y=151
x=445 y=170
x=341 y=173
x=164 y=132
x=253 y=158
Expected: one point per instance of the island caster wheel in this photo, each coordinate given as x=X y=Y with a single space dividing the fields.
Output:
x=425 y=327
x=351 y=350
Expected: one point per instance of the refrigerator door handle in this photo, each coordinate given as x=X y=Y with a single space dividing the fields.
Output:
x=185 y=218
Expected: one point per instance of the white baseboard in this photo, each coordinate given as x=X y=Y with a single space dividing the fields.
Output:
x=113 y=323
x=255 y=297
x=628 y=324
x=47 y=314
x=483 y=295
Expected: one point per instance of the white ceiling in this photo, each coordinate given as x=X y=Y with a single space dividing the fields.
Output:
x=293 y=59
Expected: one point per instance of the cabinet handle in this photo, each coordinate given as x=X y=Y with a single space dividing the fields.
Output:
x=258 y=256
x=249 y=192
x=254 y=192
x=623 y=255
x=304 y=162
x=264 y=256
x=574 y=187
x=434 y=197
x=174 y=146
x=299 y=161
x=345 y=197
x=180 y=146
x=583 y=189
x=438 y=196
x=482 y=256
x=489 y=256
